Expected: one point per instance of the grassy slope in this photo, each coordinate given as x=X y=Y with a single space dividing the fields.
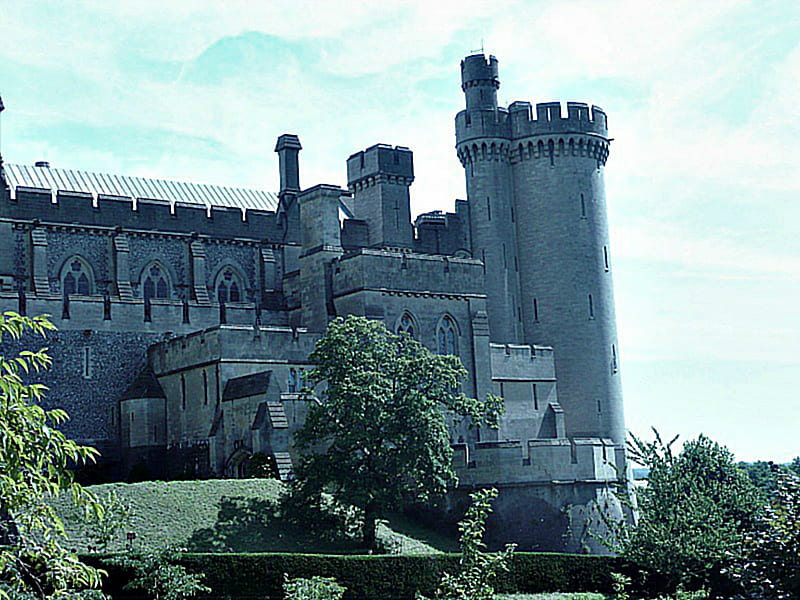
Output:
x=230 y=515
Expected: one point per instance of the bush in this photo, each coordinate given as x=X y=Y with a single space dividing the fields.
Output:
x=261 y=576
x=316 y=588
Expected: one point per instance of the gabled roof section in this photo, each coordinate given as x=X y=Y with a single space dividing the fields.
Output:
x=144 y=386
x=246 y=386
x=121 y=186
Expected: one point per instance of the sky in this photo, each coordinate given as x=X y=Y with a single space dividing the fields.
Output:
x=702 y=182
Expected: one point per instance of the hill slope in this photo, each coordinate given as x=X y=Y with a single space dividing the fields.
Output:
x=223 y=515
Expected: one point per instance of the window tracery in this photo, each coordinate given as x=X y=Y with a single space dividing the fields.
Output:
x=407 y=325
x=229 y=286
x=155 y=282
x=446 y=336
x=76 y=277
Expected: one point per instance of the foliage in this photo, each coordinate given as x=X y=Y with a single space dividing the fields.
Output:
x=34 y=468
x=381 y=430
x=261 y=466
x=115 y=518
x=156 y=573
x=379 y=577
x=693 y=513
x=620 y=583
x=477 y=569
x=770 y=567
x=316 y=588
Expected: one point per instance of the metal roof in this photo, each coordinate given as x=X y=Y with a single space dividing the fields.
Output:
x=100 y=184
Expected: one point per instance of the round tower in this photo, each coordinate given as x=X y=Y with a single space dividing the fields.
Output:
x=565 y=271
x=483 y=145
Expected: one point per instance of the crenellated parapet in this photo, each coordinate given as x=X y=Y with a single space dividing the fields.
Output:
x=548 y=119
x=529 y=134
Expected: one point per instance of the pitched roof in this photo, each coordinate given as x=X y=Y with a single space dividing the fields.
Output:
x=144 y=386
x=246 y=386
x=100 y=184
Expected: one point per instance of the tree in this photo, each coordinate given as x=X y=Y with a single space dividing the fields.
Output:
x=381 y=429
x=34 y=468
x=694 y=512
x=770 y=565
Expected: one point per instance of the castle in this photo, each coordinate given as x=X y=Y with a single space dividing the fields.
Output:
x=186 y=312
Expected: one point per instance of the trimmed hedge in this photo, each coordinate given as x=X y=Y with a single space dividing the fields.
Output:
x=246 y=576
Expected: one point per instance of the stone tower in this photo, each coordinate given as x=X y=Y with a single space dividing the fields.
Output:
x=548 y=215
x=379 y=178
x=483 y=146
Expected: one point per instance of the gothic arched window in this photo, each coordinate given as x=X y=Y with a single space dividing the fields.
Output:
x=447 y=336
x=155 y=282
x=229 y=286
x=407 y=325
x=76 y=277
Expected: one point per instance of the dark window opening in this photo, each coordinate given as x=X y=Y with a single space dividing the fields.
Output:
x=591 y=307
x=535 y=398
x=605 y=257
x=535 y=310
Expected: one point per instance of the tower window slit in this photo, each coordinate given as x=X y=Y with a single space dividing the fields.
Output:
x=505 y=262
x=535 y=398
x=516 y=264
x=614 y=365
x=583 y=207
x=512 y=215
x=488 y=208
x=205 y=388
x=591 y=307
x=551 y=148
x=183 y=392
x=535 y=310
x=87 y=362
x=605 y=257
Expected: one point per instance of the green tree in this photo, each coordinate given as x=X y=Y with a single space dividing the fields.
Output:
x=381 y=429
x=770 y=565
x=34 y=468
x=693 y=513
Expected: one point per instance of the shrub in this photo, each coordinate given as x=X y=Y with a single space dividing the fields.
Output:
x=316 y=588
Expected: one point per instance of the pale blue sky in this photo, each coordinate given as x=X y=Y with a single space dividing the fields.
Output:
x=702 y=181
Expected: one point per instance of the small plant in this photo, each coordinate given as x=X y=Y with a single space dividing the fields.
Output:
x=155 y=574
x=115 y=518
x=477 y=569
x=619 y=584
x=316 y=588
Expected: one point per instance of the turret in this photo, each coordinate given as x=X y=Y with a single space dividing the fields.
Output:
x=480 y=81
x=379 y=178
x=483 y=147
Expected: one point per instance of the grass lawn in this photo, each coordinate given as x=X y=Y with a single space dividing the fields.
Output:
x=231 y=515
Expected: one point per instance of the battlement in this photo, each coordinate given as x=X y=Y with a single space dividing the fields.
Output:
x=76 y=208
x=522 y=362
x=561 y=460
x=95 y=199
x=521 y=121
x=380 y=159
x=549 y=118
x=477 y=67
